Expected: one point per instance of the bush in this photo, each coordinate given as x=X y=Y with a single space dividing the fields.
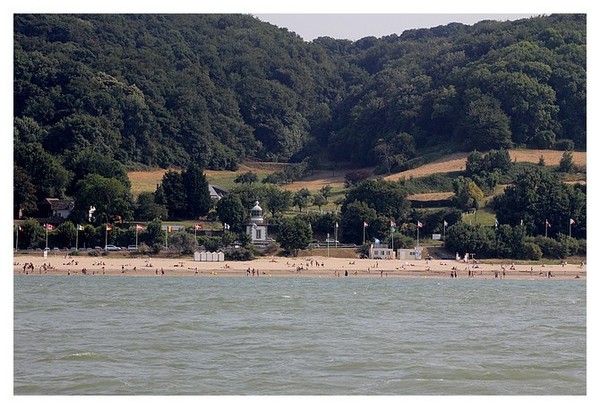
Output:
x=403 y=242
x=531 y=251
x=551 y=248
x=564 y=145
x=241 y=254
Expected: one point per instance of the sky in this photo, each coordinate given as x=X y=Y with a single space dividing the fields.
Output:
x=354 y=26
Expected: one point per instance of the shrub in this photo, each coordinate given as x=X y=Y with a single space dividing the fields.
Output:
x=531 y=251
x=240 y=254
x=551 y=248
x=564 y=145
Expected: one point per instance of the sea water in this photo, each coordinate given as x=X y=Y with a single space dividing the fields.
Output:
x=101 y=335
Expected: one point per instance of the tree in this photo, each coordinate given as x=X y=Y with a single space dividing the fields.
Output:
x=319 y=200
x=326 y=191
x=465 y=238
x=485 y=125
x=277 y=200
x=196 y=191
x=153 y=236
x=294 y=235
x=353 y=216
x=183 y=242
x=246 y=178
x=467 y=194
x=32 y=234
x=566 y=162
x=537 y=196
x=385 y=197
x=301 y=198
x=174 y=193
x=109 y=196
x=355 y=177
x=231 y=211
x=147 y=209
x=24 y=199
x=65 y=234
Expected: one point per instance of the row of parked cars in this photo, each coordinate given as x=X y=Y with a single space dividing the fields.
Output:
x=110 y=247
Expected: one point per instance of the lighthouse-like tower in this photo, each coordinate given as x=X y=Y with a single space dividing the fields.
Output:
x=256 y=227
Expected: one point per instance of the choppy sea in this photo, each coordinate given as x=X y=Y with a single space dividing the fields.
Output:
x=108 y=335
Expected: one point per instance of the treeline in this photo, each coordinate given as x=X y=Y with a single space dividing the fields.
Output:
x=102 y=93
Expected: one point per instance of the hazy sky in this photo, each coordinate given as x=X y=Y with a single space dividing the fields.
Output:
x=356 y=26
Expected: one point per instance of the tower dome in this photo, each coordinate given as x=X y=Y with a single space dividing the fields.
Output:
x=256 y=213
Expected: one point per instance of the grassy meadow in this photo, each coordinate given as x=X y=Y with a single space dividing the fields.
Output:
x=445 y=167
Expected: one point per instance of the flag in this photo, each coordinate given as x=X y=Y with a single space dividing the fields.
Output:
x=139 y=227
x=226 y=226
x=496 y=222
x=79 y=227
x=49 y=227
x=170 y=229
x=548 y=223
x=571 y=221
x=392 y=224
x=521 y=222
x=20 y=228
x=365 y=224
x=197 y=227
x=445 y=223
x=336 y=225
x=377 y=241
x=108 y=227
x=419 y=224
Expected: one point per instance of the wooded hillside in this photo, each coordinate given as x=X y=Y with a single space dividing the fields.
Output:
x=102 y=93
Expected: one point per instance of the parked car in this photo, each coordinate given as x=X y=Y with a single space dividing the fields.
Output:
x=112 y=247
x=132 y=247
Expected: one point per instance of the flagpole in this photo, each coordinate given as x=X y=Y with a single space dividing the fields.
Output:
x=136 y=236
x=546 y=228
x=336 y=231
x=444 y=238
x=106 y=236
x=417 y=234
x=76 y=237
x=570 y=227
x=364 y=229
x=17 y=245
x=46 y=226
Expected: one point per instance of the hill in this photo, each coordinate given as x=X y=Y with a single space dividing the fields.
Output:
x=104 y=94
x=456 y=162
x=146 y=181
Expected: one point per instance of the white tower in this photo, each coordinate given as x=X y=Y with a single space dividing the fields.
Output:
x=256 y=227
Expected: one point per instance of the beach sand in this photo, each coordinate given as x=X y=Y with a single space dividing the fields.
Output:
x=314 y=266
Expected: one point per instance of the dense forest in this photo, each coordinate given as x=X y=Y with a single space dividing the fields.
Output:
x=99 y=94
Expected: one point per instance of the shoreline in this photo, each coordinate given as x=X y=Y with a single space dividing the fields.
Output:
x=312 y=266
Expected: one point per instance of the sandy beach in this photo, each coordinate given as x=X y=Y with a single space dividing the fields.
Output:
x=313 y=266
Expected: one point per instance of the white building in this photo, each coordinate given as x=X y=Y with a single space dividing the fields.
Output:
x=378 y=251
x=256 y=227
